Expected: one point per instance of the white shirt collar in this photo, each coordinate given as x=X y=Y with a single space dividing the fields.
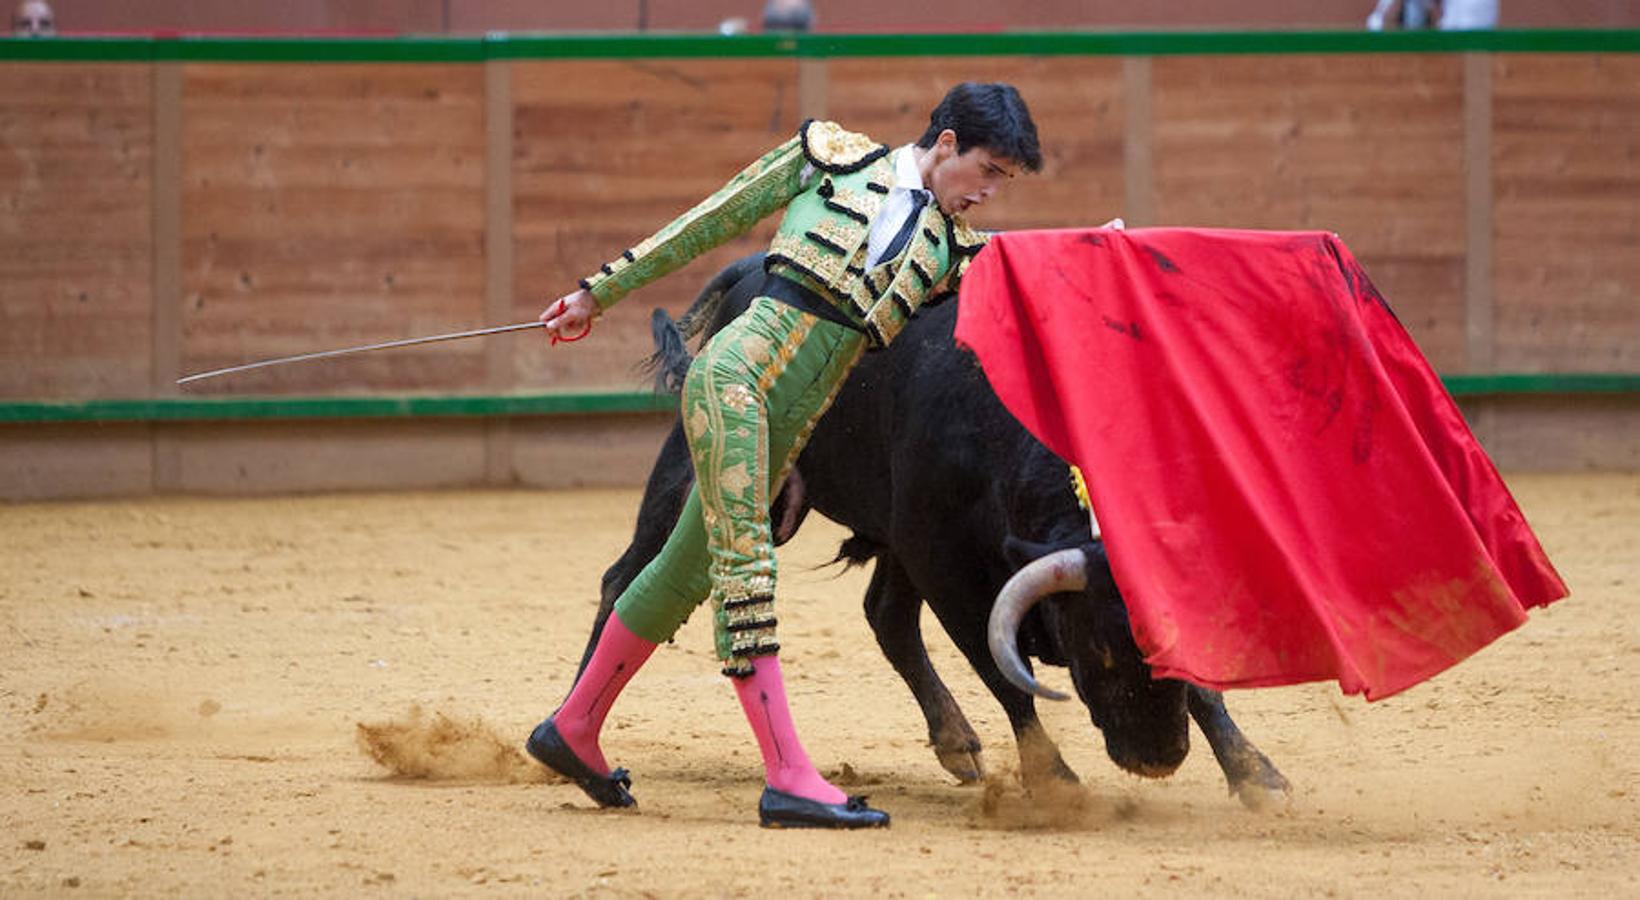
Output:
x=906 y=175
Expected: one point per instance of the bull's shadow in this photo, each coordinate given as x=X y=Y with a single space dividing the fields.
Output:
x=951 y=496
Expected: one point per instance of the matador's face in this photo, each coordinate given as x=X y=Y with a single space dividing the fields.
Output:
x=961 y=181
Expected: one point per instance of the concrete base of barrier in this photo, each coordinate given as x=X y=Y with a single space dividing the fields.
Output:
x=98 y=459
x=1550 y=433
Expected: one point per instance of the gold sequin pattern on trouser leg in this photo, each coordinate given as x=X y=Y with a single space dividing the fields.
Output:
x=728 y=414
x=841 y=365
x=685 y=573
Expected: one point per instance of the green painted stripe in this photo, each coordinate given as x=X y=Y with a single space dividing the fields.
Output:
x=1179 y=43
x=653 y=46
x=189 y=409
x=247 y=50
x=675 y=46
x=76 y=49
x=321 y=50
x=1542 y=383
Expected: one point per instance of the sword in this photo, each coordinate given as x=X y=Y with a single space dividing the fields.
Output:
x=323 y=354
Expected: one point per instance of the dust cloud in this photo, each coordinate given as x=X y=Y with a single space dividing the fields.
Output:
x=439 y=747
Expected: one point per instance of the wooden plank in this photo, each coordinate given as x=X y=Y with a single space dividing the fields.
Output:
x=498 y=257
x=1566 y=177
x=76 y=178
x=498 y=215
x=1478 y=212
x=609 y=152
x=1369 y=147
x=332 y=205
x=1140 y=189
x=813 y=88
x=166 y=364
x=166 y=204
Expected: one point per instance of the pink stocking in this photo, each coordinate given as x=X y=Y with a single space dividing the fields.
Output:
x=785 y=765
x=618 y=656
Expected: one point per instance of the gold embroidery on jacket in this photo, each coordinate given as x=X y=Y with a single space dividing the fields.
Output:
x=834 y=236
x=864 y=205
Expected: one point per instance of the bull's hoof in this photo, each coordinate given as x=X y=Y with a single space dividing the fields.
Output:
x=1059 y=794
x=1256 y=781
x=968 y=765
x=1267 y=792
x=1048 y=775
x=1039 y=761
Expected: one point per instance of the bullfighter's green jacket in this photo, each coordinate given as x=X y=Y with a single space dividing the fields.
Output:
x=752 y=397
x=833 y=184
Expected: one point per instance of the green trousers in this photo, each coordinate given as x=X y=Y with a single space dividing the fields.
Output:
x=750 y=401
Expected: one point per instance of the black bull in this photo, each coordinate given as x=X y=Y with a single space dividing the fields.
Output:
x=951 y=496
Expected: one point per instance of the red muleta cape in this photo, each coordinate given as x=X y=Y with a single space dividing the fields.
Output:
x=1287 y=493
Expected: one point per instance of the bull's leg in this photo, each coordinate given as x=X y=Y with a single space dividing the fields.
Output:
x=1040 y=765
x=1251 y=775
x=789 y=508
x=893 y=607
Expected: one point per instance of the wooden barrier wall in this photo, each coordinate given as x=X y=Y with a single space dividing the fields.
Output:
x=169 y=217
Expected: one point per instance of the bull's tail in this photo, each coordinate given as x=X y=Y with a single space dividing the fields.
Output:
x=856 y=551
x=671 y=358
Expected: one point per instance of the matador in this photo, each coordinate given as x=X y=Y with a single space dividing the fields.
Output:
x=869 y=235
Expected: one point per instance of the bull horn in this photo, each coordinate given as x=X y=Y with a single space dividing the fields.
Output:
x=1062 y=570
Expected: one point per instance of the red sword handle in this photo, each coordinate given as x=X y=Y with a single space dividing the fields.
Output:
x=560 y=306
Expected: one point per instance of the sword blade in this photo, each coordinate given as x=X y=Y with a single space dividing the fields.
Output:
x=384 y=345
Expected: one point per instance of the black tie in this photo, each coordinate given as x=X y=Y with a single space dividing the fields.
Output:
x=919 y=199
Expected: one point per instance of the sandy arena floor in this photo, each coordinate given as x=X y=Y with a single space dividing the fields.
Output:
x=185 y=682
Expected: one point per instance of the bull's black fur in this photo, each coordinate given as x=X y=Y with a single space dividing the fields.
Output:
x=950 y=496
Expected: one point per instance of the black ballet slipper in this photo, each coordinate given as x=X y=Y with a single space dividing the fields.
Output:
x=549 y=749
x=778 y=809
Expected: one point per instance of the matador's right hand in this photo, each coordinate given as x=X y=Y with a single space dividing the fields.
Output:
x=569 y=318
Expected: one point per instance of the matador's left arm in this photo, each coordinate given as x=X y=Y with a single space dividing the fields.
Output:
x=760 y=189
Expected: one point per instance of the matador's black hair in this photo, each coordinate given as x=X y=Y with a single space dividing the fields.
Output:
x=992 y=116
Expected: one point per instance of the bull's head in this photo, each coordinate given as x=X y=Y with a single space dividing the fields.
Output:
x=1145 y=720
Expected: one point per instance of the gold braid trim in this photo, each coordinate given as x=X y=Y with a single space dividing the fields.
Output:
x=749 y=622
x=966 y=243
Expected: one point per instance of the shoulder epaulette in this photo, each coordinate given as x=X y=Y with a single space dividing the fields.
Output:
x=831 y=148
